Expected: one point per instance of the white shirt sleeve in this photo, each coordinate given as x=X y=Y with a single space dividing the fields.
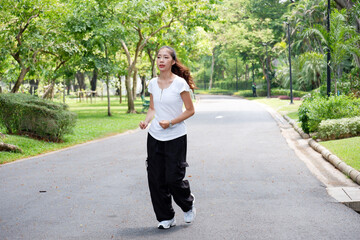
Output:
x=150 y=86
x=183 y=86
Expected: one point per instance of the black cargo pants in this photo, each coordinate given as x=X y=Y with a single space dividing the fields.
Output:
x=166 y=166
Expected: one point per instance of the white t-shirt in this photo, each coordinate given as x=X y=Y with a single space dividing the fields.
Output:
x=168 y=105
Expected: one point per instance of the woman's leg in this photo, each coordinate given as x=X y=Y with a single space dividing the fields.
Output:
x=159 y=191
x=176 y=164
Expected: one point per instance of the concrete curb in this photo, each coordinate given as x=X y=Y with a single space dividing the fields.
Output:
x=333 y=159
x=337 y=162
x=295 y=126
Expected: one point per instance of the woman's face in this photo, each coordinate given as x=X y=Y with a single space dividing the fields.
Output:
x=164 y=60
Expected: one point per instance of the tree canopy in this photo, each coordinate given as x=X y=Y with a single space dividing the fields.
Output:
x=222 y=41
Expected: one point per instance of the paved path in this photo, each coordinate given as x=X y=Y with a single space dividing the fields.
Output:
x=248 y=184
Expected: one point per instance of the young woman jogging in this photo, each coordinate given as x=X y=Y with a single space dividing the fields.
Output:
x=166 y=142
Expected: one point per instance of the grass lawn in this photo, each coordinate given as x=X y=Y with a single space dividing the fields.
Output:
x=92 y=123
x=346 y=149
x=282 y=106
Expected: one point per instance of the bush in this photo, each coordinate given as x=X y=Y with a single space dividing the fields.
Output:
x=286 y=92
x=274 y=92
x=26 y=114
x=339 y=128
x=244 y=93
x=249 y=93
x=315 y=109
x=221 y=91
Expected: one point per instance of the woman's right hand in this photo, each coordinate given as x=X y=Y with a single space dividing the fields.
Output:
x=143 y=124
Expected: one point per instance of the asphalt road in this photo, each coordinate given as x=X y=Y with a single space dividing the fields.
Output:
x=248 y=183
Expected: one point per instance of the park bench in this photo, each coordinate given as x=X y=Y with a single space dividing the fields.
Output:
x=146 y=103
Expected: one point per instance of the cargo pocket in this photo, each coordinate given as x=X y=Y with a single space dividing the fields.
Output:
x=183 y=164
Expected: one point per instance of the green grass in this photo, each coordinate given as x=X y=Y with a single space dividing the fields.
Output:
x=282 y=106
x=92 y=123
x=346 y=149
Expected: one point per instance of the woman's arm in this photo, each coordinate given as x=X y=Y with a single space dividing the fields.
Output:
x=150 y=114
x=189 y=111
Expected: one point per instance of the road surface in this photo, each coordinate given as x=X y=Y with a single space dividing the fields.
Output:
x=248 y=183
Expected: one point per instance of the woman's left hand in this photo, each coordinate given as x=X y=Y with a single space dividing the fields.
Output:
x=164 y=124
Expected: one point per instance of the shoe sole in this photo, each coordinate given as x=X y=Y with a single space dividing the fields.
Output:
x=194 y=209
x=171 y=225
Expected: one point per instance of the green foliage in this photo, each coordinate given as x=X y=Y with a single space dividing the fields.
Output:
x=274 y=92
x=91 y=124
x=342 y=40
x=278 y=92
x=339 y=128
x=349 y=83
x=244 y=93
x=316 y=109
x=220 y=91
x=26 y=114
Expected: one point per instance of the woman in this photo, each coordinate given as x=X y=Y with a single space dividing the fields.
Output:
x=166 y=143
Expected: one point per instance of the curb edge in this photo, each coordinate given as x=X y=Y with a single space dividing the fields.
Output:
x=332 y=158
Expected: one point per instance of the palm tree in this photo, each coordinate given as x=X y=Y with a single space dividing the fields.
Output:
x=342 y=41
x=312 y=65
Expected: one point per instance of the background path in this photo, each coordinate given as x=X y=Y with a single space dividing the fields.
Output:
x=248 y=184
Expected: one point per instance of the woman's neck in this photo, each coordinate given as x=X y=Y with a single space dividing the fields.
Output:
x=168 y=75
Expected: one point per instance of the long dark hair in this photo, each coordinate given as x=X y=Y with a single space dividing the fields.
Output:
x=179 y=69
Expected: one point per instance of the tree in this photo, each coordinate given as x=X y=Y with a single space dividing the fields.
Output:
x=95 y=26
x=342 y=41
x=145 y=19
x=17 y=21
x=30 y=29
x=351 y=5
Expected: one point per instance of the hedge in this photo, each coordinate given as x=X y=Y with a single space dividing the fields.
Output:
x=315 y=109
x=274 y=92
x=27 y=114
x=339 y=128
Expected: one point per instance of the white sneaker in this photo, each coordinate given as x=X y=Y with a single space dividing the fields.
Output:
x=190 y=215
x=166 y=224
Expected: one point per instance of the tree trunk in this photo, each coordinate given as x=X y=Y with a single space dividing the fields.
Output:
x=212 y=68
x=265 y=72
x=81 y=80
x=143 y=85
x=338 y=74
x=49 y=93
x=247 y=72
x=134 y=88
x=120 y=88
x=34 y=85
x=108 y=93
x=94 y=81
x=68 y=86
x=154 y=72
x=20 y=79
x=9 y=148
x=131 y=107
x=152 y=61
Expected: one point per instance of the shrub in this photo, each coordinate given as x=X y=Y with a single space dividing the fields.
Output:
x=26 y=114
x=274 y=92
x=249 y=93
x=314 y=109
x=339 y=128
x=286 y=92
x=244 y=93
x=220 y=91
